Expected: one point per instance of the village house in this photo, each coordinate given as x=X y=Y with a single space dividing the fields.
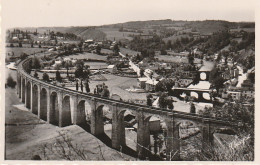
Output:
x=112 y=68
x=248 y=93
x=141 y=82
x=150 y=84
x=236 y=95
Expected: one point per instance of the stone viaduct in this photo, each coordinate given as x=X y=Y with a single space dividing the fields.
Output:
x=62 y=107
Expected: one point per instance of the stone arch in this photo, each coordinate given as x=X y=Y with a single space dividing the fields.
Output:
x=97 y=120
x=35 y=99
x=157 y=132
x=54 y=110
x=66 y=111
x=19 y=85
x=84 y=112
x=28 y=95
x=43 y=104
x=128 y=115
x=23 y=90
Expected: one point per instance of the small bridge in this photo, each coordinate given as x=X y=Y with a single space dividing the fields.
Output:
x=201 y=95
x=62 y=107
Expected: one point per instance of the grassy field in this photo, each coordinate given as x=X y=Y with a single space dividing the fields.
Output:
x=113 y=34
x=167 y=58
x=17 y=51
x=86 y=55
x=106 y=51
x=129 y=51
x=174 y=38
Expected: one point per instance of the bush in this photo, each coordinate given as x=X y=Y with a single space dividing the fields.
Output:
x=10 y=82
x=45 y=77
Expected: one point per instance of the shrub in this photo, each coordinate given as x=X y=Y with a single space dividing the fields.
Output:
x=10 y=82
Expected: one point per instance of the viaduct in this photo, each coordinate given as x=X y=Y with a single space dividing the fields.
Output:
x=62 y=107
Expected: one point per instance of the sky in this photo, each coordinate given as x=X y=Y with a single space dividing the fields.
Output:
x=33 y=13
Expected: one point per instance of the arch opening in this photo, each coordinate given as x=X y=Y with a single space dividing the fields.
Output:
x=23 y=90
x=158 y=134
x=54 y=111
x=66 y=113
x=206 y=96
x=28 y=95
x=35 y=100
x=203 y=76
x=43 y=104
x=84 y=112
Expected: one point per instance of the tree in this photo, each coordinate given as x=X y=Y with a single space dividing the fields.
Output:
x=196 y=78
x=149 y=99
x=98 y=49
x=251 y=77
x=165 y=85
x=58 y=76
x=36 y=63
x=218 y=82
x=170 y=105
x=105 y=92
x=163 y=102
x=169 y=44
x=23 y=56
x=116 y=49
x=10 y=82
x=79 y=72
x=45 y=77
x=191 y=59
x=35 y=74
x=141 y=72
x=192 y=108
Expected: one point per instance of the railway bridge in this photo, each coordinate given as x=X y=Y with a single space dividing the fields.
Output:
x=62 y=107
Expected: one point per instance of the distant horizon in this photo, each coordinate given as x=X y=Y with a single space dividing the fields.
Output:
x=130 y=22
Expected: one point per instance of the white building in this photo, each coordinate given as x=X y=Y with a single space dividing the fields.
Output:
x=112 y=68
x=235 y=95
x=150 y=84
x=141 y=82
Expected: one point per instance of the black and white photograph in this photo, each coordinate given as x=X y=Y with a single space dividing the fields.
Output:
x=118 y=80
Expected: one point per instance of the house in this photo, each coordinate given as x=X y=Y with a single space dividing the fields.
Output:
x=148 y=72
x=248 y=93
x=89 y=41
x=141 y=82
x=224 y=95
x=112 y=68
x=185 y=53
x=236 y=95
x=150 y=84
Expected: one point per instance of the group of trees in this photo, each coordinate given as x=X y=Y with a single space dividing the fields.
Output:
x=82 y=70
x=165 y=101
x=165 y=85
x=215 y=78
